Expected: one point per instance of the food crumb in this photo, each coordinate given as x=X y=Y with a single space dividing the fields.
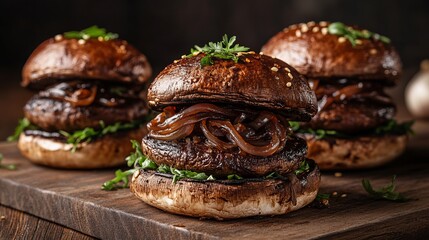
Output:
x=334 y=194
x=338 y=174
x=343 y=195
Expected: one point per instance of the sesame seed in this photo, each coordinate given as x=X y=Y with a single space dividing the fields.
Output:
x=151 y=102
x=358 y=41
x=288 y=84
x=81 y=41
x=287 y=69
x=338 y=174
x=394 y=73
x=176 y=61
x=343 y=195
x=386 y=71
x=324 y=31
x=304 y=28
x=274 y=69
x=373 y=51
x=58 y=37
x=85 y=36
x=100 y=39
x=323 y=23
x=334 y=194
x=310 y=24
x=290 y=75
x=341 y=39
x=261 y=53
x=247 y=60
x=122 y=47
x=183 y=56
x=298 y=33
x=293 y=26
x=277 y=78
x=316 y=29
x=276 y=65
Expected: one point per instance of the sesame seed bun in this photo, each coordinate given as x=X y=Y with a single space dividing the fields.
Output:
x=254 y=81
x=59 y=59
x=316 y=53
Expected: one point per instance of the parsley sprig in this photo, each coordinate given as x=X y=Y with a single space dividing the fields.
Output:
x=340 y=29
x=390 y=127
x=222 y=50
x=385 y=193
x=89 y=134
x=91 y=32
x=6 y=166
x=23 y=124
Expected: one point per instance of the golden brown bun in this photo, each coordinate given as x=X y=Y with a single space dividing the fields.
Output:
x=355 y=153
x=316 y=53
x=214 y=199
x=108 y=151
x=113 y=60
x=256 y=81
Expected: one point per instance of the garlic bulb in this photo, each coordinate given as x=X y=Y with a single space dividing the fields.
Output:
x=417 y=93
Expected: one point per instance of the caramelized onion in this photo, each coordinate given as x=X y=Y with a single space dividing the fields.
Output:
x=257 y=134
x=215 y=141
x=262 y=151
x=82 y=97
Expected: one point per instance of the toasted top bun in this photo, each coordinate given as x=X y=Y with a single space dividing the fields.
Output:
x=254 y=81
x=314 y=52
x=60 y=58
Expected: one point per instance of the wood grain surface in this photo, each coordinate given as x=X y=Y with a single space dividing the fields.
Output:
x=18 y=225
x=74 y=199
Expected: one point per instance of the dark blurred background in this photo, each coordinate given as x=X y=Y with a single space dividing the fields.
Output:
x=165 y=30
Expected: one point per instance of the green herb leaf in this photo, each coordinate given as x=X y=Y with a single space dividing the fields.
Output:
x=234 y=176
x=91 y=32
x=221 y=50
x=385 y=193
x=6 y=166
x=322 y=196
x=89 y=134
x=23 y=124
x=392 y=127
x=340 y=29
x=303 y=167
x=120 y=181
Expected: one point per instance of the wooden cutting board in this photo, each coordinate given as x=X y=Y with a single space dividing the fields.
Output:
x=74 y=199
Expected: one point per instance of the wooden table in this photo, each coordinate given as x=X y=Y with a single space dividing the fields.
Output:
x=48 y=203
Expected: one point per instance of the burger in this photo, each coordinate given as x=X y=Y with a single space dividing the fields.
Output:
x=89 y=102
x=222 y=146
x=349 y=69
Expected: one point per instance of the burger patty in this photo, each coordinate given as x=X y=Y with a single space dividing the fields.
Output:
x=52 y=115
x=352 y=117
x=187 y=154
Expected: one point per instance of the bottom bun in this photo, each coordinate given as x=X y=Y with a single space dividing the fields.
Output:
x=355 y=153
x=226 y=199
x=107 y=151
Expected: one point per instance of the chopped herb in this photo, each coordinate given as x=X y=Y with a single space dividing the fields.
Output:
x=386 y=193
x=303 y=167
x=321 y=196
x=340 y=29
x=91 y=32
x=121 y=177
x=23 y=124
x=233 y=176
x=6 y=166
x=89 y=134
x=321 y=201
x=222 y=50
x=392 y=127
